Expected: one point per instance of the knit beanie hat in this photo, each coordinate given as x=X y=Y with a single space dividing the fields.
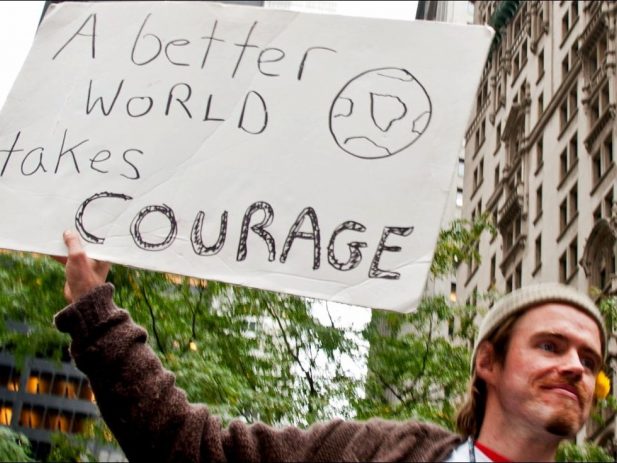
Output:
x=530 y=296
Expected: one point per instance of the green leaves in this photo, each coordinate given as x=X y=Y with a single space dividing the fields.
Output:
x=459 y=243
x=569 y=451
x=14 y=446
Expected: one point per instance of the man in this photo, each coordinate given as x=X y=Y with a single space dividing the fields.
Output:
x=534 y=367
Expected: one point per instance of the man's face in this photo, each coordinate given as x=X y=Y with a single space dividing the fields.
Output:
x=548 y=379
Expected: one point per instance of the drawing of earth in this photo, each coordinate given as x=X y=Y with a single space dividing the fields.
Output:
x=379 y=113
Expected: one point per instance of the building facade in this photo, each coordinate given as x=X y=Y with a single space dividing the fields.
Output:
x=40 y=396
x=539 y=152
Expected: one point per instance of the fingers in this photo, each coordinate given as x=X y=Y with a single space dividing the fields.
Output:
x=102 y=269
x=67 y=293
x=72 y=242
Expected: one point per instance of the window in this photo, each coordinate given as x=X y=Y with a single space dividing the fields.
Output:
x=602 y=160
x=597 y=213
x=9 y=378
x=568 y=209
x=565 y=68
x=461 y=167
x=493 y=270
x=608 y=149
x=478 y=175
x=540 y=65
x=563 y=164
x=565 y=26
x=574 y=11
x=568 y=157
x=594 y=111
x=572 y=101
x=539 y=154
x=568 y=108
x=453 y=292
x=538 y=202
x=568 y=262
x=574 y=54
x=31 y=417
x=511 y=233
x=518 y=276
x=563 y=268
x=572 y=258
x=65 y=387
x=597 y=168
x=605 y=207
x=57 y=421
x=6 y=414
x=39 y=383
x=573 y=202
x=573 y=151
x=459 y=197
x=563 y=114
x=497 y=175
x=473 y=263
x=498 y=139
x=540 y=106
x=515 y=65
x=480 y=135
x=538 y=251
x=563 y=215
x=608 y=203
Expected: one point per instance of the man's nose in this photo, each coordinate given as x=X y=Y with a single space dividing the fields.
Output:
x=570 y=364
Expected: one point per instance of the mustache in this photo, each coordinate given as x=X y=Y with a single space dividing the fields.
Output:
x=574 y=385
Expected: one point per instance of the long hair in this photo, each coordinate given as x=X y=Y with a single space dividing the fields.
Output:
x=471 y=413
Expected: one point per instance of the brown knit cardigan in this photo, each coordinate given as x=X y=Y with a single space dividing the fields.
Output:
x=153 y=421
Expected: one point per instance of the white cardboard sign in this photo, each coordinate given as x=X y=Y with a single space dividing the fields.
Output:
x=301 y=153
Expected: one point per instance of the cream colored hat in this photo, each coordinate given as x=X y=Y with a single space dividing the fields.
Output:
x=530 y=296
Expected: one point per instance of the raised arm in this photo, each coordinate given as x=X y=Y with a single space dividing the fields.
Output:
x=152 y=420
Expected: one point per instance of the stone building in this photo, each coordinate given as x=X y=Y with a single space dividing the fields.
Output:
x=539 y=152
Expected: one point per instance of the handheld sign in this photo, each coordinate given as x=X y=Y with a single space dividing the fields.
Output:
x=301 y=153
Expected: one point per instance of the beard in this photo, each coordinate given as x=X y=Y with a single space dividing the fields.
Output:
x=563 y=425
x=568 y=421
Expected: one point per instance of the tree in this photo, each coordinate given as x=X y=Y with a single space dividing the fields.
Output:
x=569 y=451
x=248 y=353
x=418 y=365
x=14 y=446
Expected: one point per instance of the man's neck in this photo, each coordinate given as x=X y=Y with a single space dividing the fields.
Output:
x=517 y=443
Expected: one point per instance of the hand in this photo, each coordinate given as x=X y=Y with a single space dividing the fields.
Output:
x=82 y=273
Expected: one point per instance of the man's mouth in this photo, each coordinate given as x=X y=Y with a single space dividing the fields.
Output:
x=566 y=390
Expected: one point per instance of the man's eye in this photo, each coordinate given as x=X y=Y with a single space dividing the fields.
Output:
x=547 y=346
x=588 y=363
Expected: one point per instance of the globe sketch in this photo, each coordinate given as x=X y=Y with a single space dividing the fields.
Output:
x=379 y=113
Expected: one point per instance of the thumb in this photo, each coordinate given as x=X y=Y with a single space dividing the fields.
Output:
x=72 y=242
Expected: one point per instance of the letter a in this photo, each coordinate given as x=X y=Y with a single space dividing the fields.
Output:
x=93 y=35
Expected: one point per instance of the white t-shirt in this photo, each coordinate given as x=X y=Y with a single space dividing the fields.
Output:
x=461 y=453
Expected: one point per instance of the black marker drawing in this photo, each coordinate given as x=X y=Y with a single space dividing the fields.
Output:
x=355 y=255
x=143 y=213
x=258 y=228
x=196 y=236
x=79 y=215
x=379 y=113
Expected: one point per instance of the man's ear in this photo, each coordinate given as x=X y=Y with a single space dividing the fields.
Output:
x=486 y=363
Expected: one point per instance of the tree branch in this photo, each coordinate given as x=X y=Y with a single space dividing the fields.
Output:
x=152 y=318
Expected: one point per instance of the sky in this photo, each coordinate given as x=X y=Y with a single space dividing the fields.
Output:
x=18 y=24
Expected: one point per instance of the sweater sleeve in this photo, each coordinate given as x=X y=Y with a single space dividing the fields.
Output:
x=152 y=419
